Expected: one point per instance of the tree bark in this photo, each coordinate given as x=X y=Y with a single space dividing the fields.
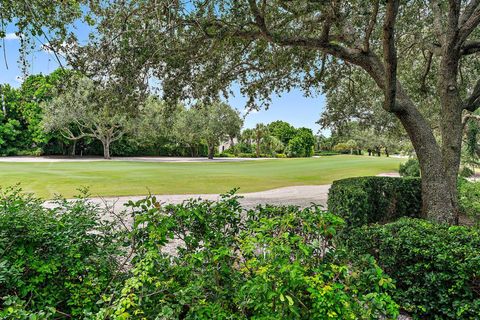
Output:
x=211 y=151
x=438 y=197
x=74 y=147
x=106 y=149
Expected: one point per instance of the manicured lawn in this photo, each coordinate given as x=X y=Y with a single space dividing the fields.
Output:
x=138 y=178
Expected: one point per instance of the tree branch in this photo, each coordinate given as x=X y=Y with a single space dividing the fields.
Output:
x=467 y=28
x=390 y=54
x=469 y=116
x=437 y=19
x=472 y=103
x=470 y=47
x=371 y=26
x=468 y=11
x=423 y=85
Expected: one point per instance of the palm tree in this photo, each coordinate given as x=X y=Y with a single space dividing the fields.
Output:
x=260 y=132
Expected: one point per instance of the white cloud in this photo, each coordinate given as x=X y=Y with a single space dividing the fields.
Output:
x=11 y=36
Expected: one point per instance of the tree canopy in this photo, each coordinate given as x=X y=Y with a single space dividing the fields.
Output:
x=417 y=60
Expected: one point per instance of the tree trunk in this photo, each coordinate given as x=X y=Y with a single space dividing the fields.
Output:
x=74 y=147
x=257 y=148
x=106 y=149
x=439 y=166
x=211 y=152
x=438 y=196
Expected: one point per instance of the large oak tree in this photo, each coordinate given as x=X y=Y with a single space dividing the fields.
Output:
x=420 y=56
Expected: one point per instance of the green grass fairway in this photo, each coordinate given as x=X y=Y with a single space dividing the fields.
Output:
x=138 y=178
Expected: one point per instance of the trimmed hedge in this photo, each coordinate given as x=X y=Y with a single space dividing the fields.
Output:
x=367 y=200
x=436 y=267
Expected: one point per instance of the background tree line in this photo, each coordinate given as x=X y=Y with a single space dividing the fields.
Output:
x=65 y=113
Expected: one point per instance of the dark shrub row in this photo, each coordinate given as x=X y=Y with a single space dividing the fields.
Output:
x=436 y=267
x=367 y=200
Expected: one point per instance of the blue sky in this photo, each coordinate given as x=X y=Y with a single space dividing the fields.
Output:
x=292 y=107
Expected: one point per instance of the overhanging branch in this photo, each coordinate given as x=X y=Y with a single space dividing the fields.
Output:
x=390 y=54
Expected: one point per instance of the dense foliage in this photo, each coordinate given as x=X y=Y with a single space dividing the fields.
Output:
x=276 y=263
x=367 y=200
x=436 y=267
x=196 y=260
x=54 y=262
x=469 y=199
x=277 y=139
x=411 y=168
x=21 y=114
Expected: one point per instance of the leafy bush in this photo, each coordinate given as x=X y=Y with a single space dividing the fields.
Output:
x=247 y=155
x=267 y=263
x=280 y=155
x=225 y=155
x=53 y=262
x=469 y=199
x=411 y=168
x=436 y=267
x=366 y=200
x=326 y=153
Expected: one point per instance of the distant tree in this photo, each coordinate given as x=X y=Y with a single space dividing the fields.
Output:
x=260 y=132
x=83 y=111
x=188 y=128
x=282 y=130
x=301 y=145
x=156 y=121
x=295 y=148
x=271 y=145
x=323 y=143
x=219 y=122
x=35 y=91
x=247 y=136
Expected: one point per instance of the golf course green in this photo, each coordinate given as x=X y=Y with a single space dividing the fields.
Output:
x=123 y=178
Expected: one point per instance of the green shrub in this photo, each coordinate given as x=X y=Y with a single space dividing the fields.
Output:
x=436 y=267
x=469 y=199
x=367 y=200
x=411 y=168
x=274 y=263
x=280 y=155
x=53 y=262
x=247 y=155
x=326 y=153
x=37 y=152
x=225 y=155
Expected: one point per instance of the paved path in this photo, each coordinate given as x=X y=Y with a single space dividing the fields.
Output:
x=296 y=195
x=134 y=159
